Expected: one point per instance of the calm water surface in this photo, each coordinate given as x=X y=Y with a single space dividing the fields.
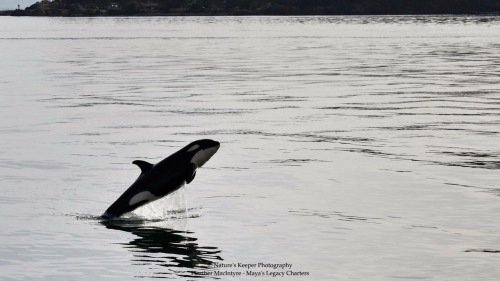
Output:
x=353 y=148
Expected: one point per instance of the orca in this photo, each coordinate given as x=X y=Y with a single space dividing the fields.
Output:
x=164 y=177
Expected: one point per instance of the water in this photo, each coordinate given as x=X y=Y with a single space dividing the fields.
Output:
x=353 y=148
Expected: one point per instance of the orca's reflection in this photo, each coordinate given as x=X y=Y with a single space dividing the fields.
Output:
x=166 y=247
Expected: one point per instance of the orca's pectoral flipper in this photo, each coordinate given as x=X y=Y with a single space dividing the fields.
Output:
x=190 y=173
x=143 y=165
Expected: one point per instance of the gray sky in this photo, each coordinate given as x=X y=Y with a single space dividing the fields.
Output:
x=12 y=4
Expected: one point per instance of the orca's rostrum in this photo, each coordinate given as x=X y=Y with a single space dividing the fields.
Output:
x=164 y=177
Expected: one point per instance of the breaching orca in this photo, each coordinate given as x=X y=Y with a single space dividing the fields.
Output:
x=164 y=177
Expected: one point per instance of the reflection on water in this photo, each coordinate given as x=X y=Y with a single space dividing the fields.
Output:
x=176 y=251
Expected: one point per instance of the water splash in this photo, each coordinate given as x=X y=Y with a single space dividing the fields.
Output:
x=168 y=207
x=161 y=213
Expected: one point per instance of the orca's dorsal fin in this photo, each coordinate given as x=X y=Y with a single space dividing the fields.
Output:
x=145 y=166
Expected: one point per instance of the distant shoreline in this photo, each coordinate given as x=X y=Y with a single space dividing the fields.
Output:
x=82 y=8
x=6 y=12
x=14 y=14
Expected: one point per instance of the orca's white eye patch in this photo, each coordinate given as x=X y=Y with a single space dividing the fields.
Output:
x=202 y=156
x=194 y=147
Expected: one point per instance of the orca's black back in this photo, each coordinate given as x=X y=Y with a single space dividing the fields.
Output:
x=165 y=177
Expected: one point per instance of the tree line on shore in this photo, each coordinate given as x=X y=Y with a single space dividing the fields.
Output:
x=257 y=7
